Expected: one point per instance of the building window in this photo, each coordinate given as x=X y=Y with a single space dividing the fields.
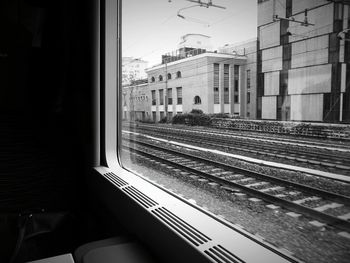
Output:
x=170 y=115
x=154 y=100
x=226 y=96
x=197 y=100
x=179 y=95
x=216 y=84
x=248 y=97
x=248 y=79
x=226 y=83
x=216 y=96
x=160 y=78
x=178 y=74
x=236 y=77
x=161 y=97
x=170 y=96
x=169 y=76
x=153 y=79
x=236 y=83
x=161 y=114
x=154 y=116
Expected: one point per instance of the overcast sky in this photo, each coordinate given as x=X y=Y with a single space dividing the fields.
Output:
x=151 y=28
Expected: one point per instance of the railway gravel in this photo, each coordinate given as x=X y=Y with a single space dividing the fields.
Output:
x=306 y=241
x=298 y=177
x=271 y=156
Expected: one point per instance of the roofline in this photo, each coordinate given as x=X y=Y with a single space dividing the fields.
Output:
x=206 y=54
x=194 y=34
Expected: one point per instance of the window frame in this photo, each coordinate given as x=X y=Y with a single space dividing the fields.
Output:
x=107 y=165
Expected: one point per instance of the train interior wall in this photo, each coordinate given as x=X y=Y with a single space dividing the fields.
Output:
x=46 y=129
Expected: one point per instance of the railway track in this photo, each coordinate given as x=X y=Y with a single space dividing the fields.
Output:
x=327 y=207
x=302 y=154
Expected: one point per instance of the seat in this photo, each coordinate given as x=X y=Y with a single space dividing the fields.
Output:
x=113 y=250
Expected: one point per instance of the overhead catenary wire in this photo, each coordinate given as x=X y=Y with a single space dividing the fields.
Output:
x=190 y=18
x=272 y=44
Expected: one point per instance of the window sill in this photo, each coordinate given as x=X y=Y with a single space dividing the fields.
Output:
x=157 y=214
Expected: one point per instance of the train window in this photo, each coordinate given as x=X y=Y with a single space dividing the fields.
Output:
x=276 y=166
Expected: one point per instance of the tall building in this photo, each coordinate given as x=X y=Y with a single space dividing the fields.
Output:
x=303 y=61
x=133 y=69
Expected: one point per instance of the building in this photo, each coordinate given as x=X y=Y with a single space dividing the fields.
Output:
x=190 y=45
x=136 y=101
x=203 y=80
x=303 y=65
x=195 y=41
x=133 y=69
x=247 y=94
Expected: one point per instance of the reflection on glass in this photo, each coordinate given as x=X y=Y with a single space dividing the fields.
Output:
x=241 y=110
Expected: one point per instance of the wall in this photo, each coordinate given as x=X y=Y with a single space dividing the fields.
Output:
x=196 y=80
x=137 y=102
x=249 y=49
x=299 y=67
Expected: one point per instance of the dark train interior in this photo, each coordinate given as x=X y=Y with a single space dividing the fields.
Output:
x=46 y=149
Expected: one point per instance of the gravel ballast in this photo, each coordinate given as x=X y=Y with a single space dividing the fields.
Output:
x=295 y=234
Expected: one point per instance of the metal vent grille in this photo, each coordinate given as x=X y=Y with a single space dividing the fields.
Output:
x=190 y=233
x=140 y=197
x=221 y=255
x=115 y=179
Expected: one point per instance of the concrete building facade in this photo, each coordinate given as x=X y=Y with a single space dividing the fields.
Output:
x=303 y=65
x=133 y=69
x=207 y=81
x=136 y=101
x=247 y=93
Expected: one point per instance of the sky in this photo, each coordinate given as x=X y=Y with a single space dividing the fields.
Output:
x=151 y=28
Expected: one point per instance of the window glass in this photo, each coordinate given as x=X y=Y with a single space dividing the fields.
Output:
x=179 y=95
x=161 y=97
x=226 y=83
x=255 y=117
x=197 y=100
x=216 y=77
x=170 y=96
x=154 y=100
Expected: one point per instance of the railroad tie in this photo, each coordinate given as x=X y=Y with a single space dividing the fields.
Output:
x=328 y=206
x=312 y=198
